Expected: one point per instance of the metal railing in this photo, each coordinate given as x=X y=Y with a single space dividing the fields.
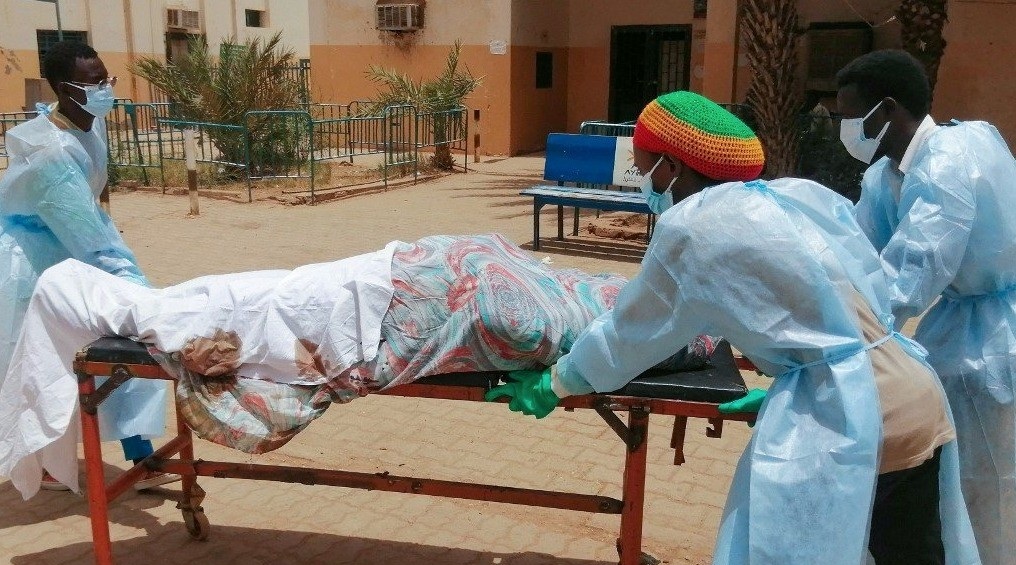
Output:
x=601 y=127
x=447 y=131
x=135 y=140
x=290 y=144
x=224 y=146
x=146 y=143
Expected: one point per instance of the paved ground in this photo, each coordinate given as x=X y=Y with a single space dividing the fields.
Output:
x=261 y=523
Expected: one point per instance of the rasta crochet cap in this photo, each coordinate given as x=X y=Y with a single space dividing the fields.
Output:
x=702 y=135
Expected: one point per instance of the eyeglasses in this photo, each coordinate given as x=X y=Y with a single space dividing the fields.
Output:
x=110 y=82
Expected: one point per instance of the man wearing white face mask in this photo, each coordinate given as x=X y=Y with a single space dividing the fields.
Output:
x=939 y=204
x=48 y=213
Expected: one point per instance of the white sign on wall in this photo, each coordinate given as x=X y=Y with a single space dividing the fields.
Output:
x=498 y=47
x=625 y=173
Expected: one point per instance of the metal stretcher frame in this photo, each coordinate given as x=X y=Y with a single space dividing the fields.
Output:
x=177 y=456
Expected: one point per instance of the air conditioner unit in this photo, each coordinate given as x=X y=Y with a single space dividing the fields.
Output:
x=184 y=20
x=405 y=16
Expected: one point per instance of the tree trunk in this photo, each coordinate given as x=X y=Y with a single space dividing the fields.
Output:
x=921 y=25
x=442 y=158
x=770 y=33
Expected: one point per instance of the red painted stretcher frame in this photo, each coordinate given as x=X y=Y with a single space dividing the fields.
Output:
x=630 y=507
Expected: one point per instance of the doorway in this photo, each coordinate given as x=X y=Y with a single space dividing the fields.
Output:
x=645 y=62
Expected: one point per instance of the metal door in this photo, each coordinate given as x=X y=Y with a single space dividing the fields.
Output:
x=646 y=61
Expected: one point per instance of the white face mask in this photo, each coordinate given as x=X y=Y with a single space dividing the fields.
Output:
x=658 y=202
x=99 y=99
x=852 y=136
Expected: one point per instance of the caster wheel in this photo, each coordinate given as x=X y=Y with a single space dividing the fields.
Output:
x=197 y=524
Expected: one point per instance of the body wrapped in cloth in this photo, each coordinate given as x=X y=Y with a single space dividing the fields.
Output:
x=283 y=345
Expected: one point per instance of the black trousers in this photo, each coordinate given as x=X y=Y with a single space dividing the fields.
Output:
x=905 y=525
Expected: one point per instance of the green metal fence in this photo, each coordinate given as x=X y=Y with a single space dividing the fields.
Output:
x=146 y=142
x=446 y=131
x=135 y=141
x=224 y=147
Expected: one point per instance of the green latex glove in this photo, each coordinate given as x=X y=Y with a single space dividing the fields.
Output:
x=529 y=392
x=750 y=402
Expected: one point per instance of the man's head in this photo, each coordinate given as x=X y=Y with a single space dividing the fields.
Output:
x=78 y=77
x=889 y=90
x=693 y=143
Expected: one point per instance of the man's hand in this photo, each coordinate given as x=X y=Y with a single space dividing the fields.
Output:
x=529 y=391
x=750 y=402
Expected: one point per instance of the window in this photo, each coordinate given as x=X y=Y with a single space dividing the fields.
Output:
x=544 y=69
x=46 y=38
x=700 y=8
x=830 y=47
x=256 y=18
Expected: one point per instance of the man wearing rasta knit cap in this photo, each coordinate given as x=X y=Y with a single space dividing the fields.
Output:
x=853 y=450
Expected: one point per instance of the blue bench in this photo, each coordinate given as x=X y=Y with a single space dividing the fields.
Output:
x=586 y=160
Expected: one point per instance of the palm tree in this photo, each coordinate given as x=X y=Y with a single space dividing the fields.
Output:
x=254 y=75
x=770 y=29
x=921 y=24
x=436 y=99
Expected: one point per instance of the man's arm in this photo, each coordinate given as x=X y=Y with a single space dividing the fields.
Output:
x=876 y=211
x=924 y=254
x=67 y=207
x=649 y=322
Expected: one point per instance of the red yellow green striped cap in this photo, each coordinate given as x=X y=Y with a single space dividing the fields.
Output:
x=702 y=135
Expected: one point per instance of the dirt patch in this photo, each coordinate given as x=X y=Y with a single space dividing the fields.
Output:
x=624 y=226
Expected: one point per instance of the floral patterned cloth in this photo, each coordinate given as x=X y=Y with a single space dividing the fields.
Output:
x=461 y=304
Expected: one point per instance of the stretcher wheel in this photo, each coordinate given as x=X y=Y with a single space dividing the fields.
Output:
x=197 y=524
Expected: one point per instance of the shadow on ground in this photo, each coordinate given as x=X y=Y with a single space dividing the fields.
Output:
x=599 y=248
x=254 y=546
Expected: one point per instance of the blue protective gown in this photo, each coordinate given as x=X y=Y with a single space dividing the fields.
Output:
x=948 y=229
x=48 y=213
x=775 y=268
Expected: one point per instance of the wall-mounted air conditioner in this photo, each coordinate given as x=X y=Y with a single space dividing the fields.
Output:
x=399 y=16
x=178 y=19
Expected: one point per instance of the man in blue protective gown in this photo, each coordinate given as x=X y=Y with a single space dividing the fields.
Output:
x=853 y=451
x=939 y=204
x=49 y=212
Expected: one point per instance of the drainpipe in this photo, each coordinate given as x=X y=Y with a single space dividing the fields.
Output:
x=129 y=29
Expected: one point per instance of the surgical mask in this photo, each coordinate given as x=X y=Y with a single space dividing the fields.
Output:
x=657 y=202
x=852 y=136
x=99 y=98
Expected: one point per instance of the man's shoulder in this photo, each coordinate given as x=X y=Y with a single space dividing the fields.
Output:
x=953 y=135
x=31 y=135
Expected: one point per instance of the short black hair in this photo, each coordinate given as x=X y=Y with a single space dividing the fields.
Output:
x=889 y=72
x=61 y=58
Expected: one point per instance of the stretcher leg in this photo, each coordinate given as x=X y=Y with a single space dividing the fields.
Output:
x=98 y=504
x=191 y=495
x=630 y=542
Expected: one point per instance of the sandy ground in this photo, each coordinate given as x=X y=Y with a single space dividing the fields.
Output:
x=260 y=523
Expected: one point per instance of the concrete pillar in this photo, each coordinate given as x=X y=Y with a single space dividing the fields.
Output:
x=720 y=65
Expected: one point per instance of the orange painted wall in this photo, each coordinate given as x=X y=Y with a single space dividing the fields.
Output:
x=338 y=76
x=975 y=80
x=537 y=112
x=590 y=23
x=15 y=66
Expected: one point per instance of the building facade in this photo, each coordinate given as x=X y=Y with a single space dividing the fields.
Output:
x=123 y=30
x=549 y=65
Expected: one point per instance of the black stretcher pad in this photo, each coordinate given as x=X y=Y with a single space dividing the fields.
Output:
x=719 y=381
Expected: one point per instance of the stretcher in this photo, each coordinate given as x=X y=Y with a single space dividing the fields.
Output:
x=693 y=394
